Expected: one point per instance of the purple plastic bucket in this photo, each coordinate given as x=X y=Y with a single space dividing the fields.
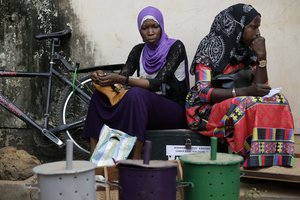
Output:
x=153 y=181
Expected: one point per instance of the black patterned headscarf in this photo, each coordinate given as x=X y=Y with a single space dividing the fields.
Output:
x=223 y=43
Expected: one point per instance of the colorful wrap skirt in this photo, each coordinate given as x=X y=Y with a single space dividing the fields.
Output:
x=261 y=129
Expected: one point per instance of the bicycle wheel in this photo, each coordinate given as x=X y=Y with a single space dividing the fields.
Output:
x=71 y=108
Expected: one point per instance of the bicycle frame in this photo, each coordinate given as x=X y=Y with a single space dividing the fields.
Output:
x=44 y=129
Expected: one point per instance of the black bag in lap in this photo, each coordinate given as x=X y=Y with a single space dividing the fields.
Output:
x=237 y=79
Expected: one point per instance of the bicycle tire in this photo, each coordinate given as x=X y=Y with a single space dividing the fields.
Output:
x=71 y=107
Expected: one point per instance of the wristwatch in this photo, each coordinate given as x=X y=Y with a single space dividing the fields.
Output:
x=262 y=63
x=233 y=92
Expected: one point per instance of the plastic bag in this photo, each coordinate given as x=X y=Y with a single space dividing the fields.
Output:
x=112 y=144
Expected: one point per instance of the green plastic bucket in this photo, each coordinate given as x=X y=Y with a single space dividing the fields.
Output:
x=212 y=176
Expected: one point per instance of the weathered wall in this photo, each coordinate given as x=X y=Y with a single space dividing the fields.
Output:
x=20 y=20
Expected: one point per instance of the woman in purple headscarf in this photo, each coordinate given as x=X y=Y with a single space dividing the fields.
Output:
x=156 y=98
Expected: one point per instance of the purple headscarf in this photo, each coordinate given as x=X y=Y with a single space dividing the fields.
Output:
x=154 y=58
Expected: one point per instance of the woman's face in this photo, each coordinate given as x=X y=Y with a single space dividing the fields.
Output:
x=251 y=31
x=151 y=32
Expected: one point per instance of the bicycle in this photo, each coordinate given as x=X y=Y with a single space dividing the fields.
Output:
x=73 y=102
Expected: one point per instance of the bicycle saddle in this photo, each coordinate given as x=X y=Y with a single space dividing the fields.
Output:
x=60 y=34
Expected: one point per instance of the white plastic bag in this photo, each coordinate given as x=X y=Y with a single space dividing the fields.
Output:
x=112 y=144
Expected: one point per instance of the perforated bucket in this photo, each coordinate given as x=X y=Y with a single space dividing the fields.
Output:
x=154 y=181
x=56 y=182
x=212 y=179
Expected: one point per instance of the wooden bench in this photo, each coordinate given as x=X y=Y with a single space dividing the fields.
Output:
x=277 y=173
x=286 y=174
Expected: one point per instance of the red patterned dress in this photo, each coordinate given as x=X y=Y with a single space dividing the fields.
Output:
x=261 y=129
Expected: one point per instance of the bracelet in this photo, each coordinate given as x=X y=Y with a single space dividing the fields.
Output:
x=233 y=92
x=262 y=63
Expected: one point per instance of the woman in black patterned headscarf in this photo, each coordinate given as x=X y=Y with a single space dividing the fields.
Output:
x=223 y=43
x=239 y=110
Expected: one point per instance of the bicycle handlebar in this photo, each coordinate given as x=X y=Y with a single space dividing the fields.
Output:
x=111 y=67
x=70 y=68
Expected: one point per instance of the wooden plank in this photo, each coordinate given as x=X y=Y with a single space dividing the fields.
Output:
x=287 y=174
x=112 y=173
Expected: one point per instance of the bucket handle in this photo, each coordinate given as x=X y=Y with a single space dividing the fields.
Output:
x=183 y=184
x=242 y=174
x=107 y=184
x=32 y=187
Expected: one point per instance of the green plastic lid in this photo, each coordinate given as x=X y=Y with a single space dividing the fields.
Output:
x=205 y=159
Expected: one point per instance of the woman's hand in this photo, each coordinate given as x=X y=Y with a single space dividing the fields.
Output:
x=258 y=45
x=95 y=75
x=107 y=79
x=257 y=89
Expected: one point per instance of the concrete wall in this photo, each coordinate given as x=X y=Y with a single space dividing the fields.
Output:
x=105 y=31
x=20 y=20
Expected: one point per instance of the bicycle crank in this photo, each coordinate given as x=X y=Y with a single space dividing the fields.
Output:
x=52 y=137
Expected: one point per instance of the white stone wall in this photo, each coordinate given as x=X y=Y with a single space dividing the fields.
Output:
x=111 y=28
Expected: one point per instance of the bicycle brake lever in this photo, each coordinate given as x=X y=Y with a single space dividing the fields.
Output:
x=52 y=137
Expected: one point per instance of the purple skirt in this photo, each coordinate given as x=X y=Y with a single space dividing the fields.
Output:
x=139 y=110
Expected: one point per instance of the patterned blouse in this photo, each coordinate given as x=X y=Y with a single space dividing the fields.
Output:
x=175 y=88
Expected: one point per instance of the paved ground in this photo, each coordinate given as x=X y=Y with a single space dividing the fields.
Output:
x=18 y=190
x=261 y=189
x=269 y=189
